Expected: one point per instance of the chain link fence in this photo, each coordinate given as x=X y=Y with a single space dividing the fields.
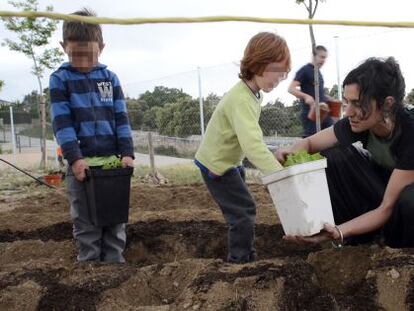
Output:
x=174 y=118
x=26 y=138
x=171 y=110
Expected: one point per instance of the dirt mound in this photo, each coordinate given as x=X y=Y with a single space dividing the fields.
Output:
x=175 y=251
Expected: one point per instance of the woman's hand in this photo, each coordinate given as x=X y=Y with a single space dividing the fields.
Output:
x=328 y=233
x=281 y=154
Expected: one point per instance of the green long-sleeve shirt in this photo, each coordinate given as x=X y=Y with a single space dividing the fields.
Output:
x=234 y=132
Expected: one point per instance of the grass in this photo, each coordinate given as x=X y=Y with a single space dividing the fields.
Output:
x=14 y=186
x=183 y=174
x=186 y=174
x=166 y=151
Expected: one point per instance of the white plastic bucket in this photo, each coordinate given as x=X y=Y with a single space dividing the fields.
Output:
x=301 y=197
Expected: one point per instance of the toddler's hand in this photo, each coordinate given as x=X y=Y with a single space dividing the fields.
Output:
x=127 y=162
x=78 y=168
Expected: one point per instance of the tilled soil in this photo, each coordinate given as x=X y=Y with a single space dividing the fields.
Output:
x=175 y=261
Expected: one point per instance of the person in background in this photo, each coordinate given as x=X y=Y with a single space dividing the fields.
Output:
x=303 y=88
x=59 y=155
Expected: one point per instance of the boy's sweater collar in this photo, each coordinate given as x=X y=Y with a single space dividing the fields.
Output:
x=68 y=66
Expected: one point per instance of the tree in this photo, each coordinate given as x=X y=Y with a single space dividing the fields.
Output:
x=32 y=38
x=311 y=7
x=212 y=99
x=149 y=119
x=169 y=111
x=277 y=119
x=409 y=99
x=182 y=119
x=333 y=92
x=1 y=84
x=163 y=95
x=30 y=103
x=136 y=109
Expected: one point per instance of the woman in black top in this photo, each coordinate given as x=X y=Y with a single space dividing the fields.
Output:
x=371 y=189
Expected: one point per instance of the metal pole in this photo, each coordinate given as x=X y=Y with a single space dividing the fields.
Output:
x=200 y=94
x=317 y=98
x=55 y=148
x=43 y=127
x=338 y=74
x=13 y=138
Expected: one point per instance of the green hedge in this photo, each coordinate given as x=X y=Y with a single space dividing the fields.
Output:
x=18 y=117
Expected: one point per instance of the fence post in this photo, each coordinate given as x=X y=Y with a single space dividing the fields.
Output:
x=200 y=94
x=43 y=130
x=151 y=154
x=13 y=138
x=19 y=143
x=338 y=72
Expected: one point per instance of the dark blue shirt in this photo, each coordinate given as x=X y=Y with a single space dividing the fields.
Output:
x=305 y=76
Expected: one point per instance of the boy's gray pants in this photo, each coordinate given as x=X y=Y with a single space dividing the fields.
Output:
x=94 y=243
x=239 y=210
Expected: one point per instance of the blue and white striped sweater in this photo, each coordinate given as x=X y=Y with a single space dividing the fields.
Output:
x=89 y=113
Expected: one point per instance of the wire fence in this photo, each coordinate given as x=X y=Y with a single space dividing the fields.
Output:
x=170 y=108
x=26 y=140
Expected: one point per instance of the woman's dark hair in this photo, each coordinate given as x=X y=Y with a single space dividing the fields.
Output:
x=378 y=78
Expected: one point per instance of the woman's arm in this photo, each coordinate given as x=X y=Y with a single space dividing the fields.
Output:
x=369 y=221
x=376 y=218
x=320 y=141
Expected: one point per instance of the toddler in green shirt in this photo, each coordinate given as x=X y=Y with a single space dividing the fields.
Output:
x=233 y=132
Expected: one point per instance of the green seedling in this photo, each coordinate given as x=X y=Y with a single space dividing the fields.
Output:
x=112 y=165
x=301 y=157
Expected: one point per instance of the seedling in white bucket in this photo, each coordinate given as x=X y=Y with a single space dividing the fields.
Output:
x=301 y=196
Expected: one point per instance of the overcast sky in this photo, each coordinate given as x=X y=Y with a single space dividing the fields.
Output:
x=168 y=54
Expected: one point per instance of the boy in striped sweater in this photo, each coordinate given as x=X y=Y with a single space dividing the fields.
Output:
x=91 y=125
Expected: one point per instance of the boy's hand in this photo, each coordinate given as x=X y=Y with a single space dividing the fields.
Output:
x=78 y=169
x=127 y=162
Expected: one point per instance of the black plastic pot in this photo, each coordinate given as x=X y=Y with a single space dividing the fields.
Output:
x=108 y=195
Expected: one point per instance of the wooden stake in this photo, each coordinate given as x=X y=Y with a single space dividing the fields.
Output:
x=151 y=154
